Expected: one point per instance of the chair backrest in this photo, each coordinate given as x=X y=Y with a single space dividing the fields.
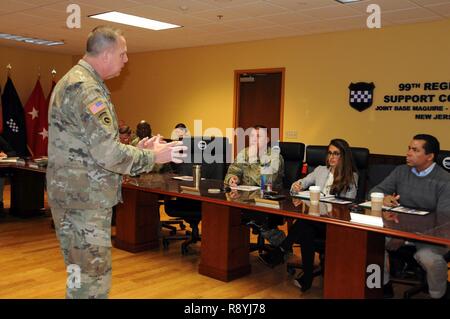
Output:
x=211 y=152
x=361 y=158
x=377 y=173
x=316 y=156
x=443 y=159
x=293 y=154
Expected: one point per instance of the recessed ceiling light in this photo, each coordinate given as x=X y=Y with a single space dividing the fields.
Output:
x=36 y=41
x=347 y=1
x=135 y=21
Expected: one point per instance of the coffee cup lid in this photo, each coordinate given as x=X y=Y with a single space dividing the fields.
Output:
x=377 y=195
x=314 y=188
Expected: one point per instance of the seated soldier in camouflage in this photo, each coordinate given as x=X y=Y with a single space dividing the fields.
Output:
x=246 y=170
x=127 y=137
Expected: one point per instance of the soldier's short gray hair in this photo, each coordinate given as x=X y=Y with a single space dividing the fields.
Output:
x=101 y=38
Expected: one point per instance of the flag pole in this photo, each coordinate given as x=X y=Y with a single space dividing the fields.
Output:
x=8 y=68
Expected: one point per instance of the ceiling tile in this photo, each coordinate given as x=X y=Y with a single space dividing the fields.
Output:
x=183 y=6
x=227 y=3
x=261 y=8
x=303 y=4
x=242 y=20
x=409 y=14
x=426 y=3
x=13 y=6
x=227 y=14
x=109 y=4
x=250 y=23
x=385 y=5
x=165 y=15
x=289 y=18
x=332 y=12
x=441 y=9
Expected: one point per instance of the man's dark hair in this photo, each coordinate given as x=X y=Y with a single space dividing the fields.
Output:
x=143 y=129
x=125 y=130
x=258 y=126
x=101 y=38
x=431 y=144
x=180 y=125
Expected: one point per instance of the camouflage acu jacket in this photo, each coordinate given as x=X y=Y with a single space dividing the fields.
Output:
x=249 y=173
x=85 y=157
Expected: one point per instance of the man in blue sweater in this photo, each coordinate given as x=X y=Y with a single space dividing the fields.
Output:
x=421 y=184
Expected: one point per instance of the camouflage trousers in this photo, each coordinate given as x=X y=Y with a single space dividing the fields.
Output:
x=85 y=241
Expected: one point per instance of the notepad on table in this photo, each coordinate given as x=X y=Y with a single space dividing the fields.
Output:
x=185 y=178
x=267 y=203
x=368 y=204
x=335 y=200
x=401 y=209
x=305 y=194
x=366 y=219
x=9 y=159
x=245 y=188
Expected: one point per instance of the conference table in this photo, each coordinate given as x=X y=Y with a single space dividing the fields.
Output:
x=27 y=187
x=353 y=245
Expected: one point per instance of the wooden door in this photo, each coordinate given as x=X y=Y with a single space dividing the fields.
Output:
x=259 y=99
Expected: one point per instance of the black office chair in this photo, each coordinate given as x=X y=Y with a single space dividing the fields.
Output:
x=316 y=156
x=377 y=173
x=211 y=153
x=443 y=159
x=190 y=212
x=293 y=155
x=361 y=158
x=405 y=270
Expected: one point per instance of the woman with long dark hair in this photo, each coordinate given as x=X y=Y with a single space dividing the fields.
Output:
x=338 y=177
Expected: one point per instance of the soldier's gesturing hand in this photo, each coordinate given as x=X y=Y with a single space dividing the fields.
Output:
x=149 y=143
x=169 y=152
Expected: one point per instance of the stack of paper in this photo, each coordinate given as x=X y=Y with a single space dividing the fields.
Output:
x=401 y=209
x=9 y=160
x=305 y=194
x=267 y=203
x=245 y=188
x=366 y=219
x=368 y=204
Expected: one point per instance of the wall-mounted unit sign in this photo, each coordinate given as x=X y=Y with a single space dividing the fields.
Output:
x=361 y=95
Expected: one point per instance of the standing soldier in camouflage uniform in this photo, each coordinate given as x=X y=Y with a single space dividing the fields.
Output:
x=86 y=161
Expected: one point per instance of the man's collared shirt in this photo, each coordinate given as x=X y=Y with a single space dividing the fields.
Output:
x=425 y=172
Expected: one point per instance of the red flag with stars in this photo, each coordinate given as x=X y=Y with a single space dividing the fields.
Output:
x=36 y=119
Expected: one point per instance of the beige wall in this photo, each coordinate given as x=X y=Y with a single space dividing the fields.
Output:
x=168 y=87
x=26 y=64
x=182 y=85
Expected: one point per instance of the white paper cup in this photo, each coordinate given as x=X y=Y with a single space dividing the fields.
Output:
x=376 y=201
x=314 y=194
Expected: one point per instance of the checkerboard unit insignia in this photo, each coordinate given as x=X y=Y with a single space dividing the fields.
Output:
x=361 y=95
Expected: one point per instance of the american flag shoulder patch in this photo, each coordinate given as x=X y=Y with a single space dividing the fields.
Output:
x=96 y=107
